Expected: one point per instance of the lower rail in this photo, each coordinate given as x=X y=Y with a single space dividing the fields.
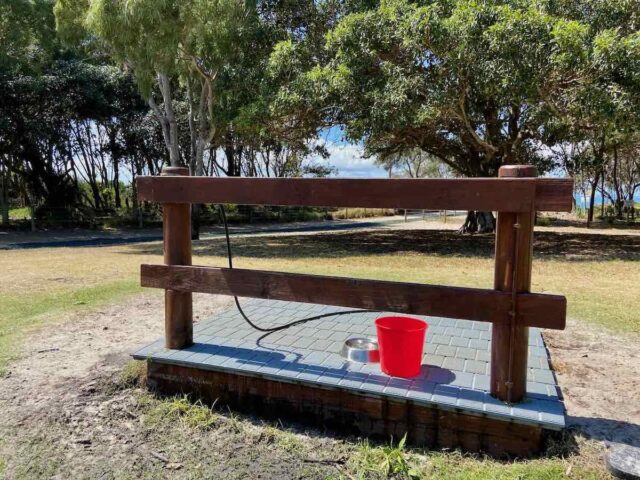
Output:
x=534 y=309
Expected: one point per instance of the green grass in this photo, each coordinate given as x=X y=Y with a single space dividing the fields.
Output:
x=362 y=460
x=21 y=213
x=20 y=313
x=395 y=462
x=46 y=284
x=42 y=457
x=389 y=461
x=177 y=409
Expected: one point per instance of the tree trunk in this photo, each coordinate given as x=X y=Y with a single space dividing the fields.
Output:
x=4 y=197
x=478 y=222
x=602 y=199
x=116 y=182
x=174 y=150
x=592 y=199
x=167 y=119
x=619 y=202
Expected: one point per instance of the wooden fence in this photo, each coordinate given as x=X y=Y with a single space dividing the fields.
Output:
x=516 y=195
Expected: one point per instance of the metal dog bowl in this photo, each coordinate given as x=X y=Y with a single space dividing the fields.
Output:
x=363 y=350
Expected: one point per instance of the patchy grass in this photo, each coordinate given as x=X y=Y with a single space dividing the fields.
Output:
x=284 y=439
x=41 y=457
x=342 y=459
x=47 y=284
x=455 y=466
x=21 y=313
x=178 y=409
x=139 y=435
x=595 y=271
x=133 y=374
x=360 y=459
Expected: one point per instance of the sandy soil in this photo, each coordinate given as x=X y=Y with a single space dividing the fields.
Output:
x=62 y=415
x=599 y=374
x=56 y=407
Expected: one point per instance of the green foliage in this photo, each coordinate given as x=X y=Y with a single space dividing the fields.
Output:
x=210 y=55
x=44 y=117
x=26 y=40
x=413 y=163
x=476 y=84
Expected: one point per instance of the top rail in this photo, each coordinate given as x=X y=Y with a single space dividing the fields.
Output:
x=487 y=194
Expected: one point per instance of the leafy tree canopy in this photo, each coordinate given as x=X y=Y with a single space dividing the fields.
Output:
x=475 y=84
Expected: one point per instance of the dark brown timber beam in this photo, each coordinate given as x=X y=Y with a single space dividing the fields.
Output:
x=486 y=194
x=534 y=310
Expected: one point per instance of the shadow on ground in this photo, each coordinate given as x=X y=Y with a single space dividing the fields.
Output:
x=606 y=430
x=568 y=246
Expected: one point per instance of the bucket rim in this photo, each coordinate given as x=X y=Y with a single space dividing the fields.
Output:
x=419 y=324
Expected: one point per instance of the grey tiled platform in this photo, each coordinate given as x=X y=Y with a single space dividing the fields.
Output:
x=455 y=373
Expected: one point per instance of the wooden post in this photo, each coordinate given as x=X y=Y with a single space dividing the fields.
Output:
x=510 y=339
x=176 y=230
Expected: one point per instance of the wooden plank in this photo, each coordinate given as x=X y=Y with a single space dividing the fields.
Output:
x=554 y=194
x=513 y=255
x=536 y=310
x=178 y=306
x=342 y=411
x=487 y=194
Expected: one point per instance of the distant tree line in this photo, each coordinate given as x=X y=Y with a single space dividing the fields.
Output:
x=608 y=166
x=111 y=89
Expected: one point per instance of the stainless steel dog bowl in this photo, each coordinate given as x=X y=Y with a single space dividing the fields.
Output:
x=363 y=350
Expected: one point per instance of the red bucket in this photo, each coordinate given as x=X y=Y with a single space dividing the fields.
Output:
x=401 y=342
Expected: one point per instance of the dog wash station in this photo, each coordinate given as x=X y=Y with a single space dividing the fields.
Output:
x=484 y=383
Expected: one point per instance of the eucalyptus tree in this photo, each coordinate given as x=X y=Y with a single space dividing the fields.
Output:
x=201 y=51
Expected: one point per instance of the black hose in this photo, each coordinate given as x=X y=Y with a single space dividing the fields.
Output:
x=223 y=215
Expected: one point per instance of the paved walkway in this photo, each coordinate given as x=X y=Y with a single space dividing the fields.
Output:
x=86 y=238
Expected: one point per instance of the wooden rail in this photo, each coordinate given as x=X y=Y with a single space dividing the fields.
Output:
x=486 y=194
x=516 y=195
x=535 y=309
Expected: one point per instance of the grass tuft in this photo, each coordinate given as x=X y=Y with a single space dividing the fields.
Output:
x=284 y=439
x=395 y=462
x=195 y=415
x=389 y=461
x=133 y=375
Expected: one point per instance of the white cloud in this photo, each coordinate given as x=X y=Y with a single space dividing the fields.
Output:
x=349 y=161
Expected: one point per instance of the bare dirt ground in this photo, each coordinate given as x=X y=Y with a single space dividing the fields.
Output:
x=599 y=374
x=62 y=413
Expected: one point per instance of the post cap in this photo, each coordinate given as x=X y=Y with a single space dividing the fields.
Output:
x=170 y=171
x=517 y=171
